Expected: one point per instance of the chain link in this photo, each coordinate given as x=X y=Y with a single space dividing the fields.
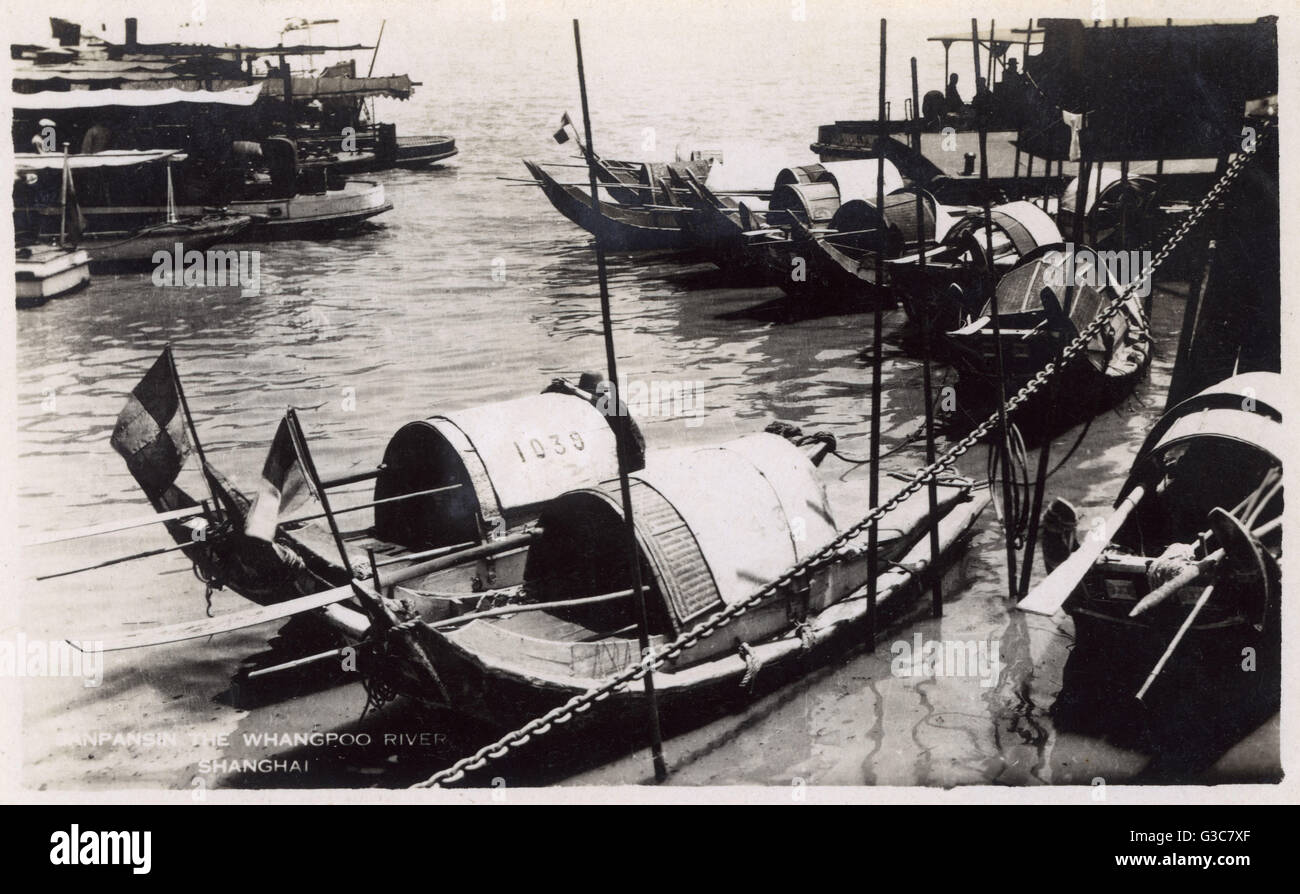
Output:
x=829 y=553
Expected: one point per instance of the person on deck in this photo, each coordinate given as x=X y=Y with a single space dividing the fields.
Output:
x=1010 y=92
x=955 y=104
x=982 y=103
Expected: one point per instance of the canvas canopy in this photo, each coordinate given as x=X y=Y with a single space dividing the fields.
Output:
x=92 y=99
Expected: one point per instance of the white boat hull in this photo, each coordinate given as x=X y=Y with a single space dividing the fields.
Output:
x=51 y=275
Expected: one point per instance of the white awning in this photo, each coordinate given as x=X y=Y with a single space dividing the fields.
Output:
x=50 y=100
x=28 y=162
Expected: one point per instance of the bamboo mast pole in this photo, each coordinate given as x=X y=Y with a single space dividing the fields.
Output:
x=1003 y=430
x=877 y=320
x=623 y=425
x=927 y=385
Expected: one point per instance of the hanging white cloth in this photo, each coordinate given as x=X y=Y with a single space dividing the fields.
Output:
x=1074 y=121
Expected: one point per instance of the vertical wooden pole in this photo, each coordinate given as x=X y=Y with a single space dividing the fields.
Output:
x=927 y=385
x=287 y=74
x=194 y=434
x=371 y=600
x=623 y=425
x=309 y=466
x=877 y=349
x=63 y=202
x=1020 y=115
x=1003 y=432
x=375 y=54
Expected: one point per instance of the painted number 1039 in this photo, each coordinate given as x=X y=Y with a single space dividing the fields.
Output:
x=548 y=445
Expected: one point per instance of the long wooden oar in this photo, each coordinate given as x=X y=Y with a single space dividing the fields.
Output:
x=113 y=527
x=1234 y=536
x=485 y=550
x=1178 y=638
x=191 y=512
x=119 y=560
x=451 y=622
x=171 y=633
x=1053 y=590
x=174 y=633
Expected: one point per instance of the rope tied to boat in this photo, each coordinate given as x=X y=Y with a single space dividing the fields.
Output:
x=752 y=665
x=1176 y=558
x=656 y=658
x=807 y=639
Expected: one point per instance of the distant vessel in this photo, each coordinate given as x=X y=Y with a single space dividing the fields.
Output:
x=284 y=196
x=323 y=111
x=113 y=236
x=42 y=272
x=639 y=205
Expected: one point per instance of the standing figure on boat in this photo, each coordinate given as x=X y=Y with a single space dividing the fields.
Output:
x=955 y=104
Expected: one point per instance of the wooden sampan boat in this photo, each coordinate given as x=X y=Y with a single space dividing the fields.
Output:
x=716 y=226
x=1038 y=316
x=456 y=498
x=639 y=209
x=135 y=249
x=821 y=233
x=953 y=285
x=842 y=257
x=699 y=552
x=1206 y=481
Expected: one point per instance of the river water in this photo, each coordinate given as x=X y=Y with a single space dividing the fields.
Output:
x=474 y=289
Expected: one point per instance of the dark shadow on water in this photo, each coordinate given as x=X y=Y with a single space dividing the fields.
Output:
x=785 y=309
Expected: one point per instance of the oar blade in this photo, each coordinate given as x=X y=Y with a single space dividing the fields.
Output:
x=174 y=633
x=1051 y=592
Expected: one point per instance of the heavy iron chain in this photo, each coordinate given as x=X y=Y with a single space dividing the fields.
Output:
x=655 y=658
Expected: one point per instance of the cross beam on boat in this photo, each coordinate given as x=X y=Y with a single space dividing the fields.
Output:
x=238 y=620
x=198 y=512
x=449 y=622
x=115 y=526
x=367 y=505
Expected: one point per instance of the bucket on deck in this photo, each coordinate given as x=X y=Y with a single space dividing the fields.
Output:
x=713 y=525
x=508 y=458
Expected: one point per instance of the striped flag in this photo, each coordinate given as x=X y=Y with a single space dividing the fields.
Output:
x=284 y=487
x=562 y=135
x=150 y=433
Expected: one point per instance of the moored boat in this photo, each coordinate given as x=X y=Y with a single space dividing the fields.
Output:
x=42 y=272
x=622 y=226
x=1177 y=609
x=574 y=627
x=461 y=490
x=957 y=276
x=135 y=249
x=822 y=235
x=306 y=215
x=1038 y=314
x=379 y=149
x=113 y=237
